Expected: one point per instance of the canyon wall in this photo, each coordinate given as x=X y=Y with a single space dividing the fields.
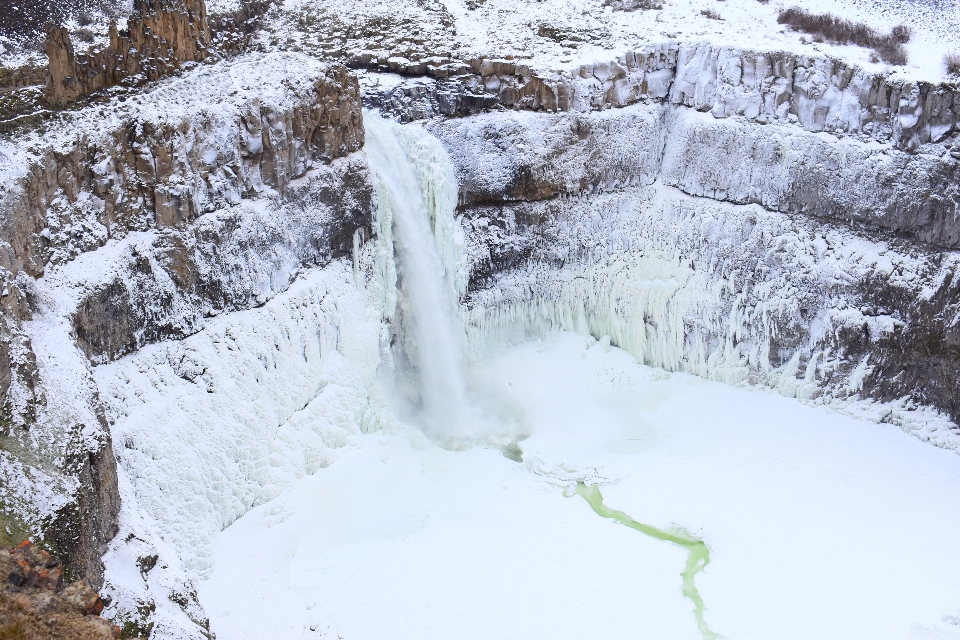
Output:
x=161 y=37
x=138 y=222
x=181 y=256
x=721 y=246
x=820 y=93
x=882 y=132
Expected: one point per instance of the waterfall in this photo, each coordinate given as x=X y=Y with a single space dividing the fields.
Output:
x=416 y=194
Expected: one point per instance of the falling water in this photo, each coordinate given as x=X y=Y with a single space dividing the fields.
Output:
x=433 y=334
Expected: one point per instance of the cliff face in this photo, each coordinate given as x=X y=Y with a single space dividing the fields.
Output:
x=171 y=156
x=56 y=458
x=162 y=36
x=819 y=93
x=134 y=223
x=764 y=217
x=782 y=168
x=902 y=184
x=770 y=240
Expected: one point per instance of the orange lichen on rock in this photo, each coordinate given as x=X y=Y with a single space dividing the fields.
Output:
x=34 y=603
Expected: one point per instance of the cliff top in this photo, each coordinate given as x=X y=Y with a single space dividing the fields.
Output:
x=278 y=79
x=557 y=34
x=553 y=35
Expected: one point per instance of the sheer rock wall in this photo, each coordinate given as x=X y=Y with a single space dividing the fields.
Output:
x=133 y=223
x=162 y=36
x=773 y=243
x=191 y=146
x=819 y=93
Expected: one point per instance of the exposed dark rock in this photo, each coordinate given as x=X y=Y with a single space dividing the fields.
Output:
x=164 y=289
x=81 y=530
x=633 y=5
x=921 y=357
x=25 y=76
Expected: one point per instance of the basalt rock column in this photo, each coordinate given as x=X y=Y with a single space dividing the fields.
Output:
x=163 y=35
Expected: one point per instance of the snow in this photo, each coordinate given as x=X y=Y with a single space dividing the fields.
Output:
x=145 y=577
x=700 y=286
x=66 y=423
x=264 y=450
x=226 y=419
x=553 y=35
x=819 y=525
x=590 y=31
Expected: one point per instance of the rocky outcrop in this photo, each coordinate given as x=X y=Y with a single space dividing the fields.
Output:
x=790 y=169
x=161 y=37
x=35 y=604
x=167 y=158
x=517 y=156
x=847 y=145
x=232 y=32
x=817 y=93
x=18 y=366
x=632 y=5
x=59 y=481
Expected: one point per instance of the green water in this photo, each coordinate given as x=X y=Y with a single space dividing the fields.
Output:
x=698 y=559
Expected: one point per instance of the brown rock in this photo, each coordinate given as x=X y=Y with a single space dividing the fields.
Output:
x=163 y=35
x=34 y=605
x=86 y=600
x=27 y=566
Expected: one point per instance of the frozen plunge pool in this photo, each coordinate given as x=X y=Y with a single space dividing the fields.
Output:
x=818 y=525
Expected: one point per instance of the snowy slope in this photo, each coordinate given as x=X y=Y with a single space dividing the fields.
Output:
x=556 y=34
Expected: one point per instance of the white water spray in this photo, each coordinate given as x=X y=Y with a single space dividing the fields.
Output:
x=408 y=206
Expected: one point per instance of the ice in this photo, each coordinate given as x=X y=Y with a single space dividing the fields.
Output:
x=818 y=524
x=432 y=334
x=211 y=426
x=416 y=193
x=709 y=288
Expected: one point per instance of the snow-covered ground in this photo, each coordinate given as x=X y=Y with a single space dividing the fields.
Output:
x=499 y=24
x=818 y=525
x=556 y=34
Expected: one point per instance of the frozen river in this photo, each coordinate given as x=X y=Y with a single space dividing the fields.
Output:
x=818 y=525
